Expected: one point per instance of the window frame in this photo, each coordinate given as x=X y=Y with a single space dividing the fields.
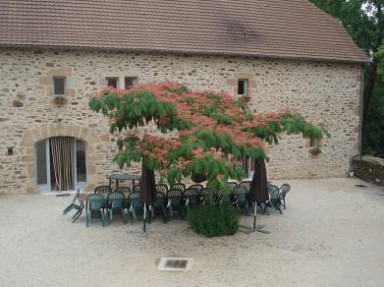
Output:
x=245 y=86
x=117 y=79
x=55 y=86
x=133 y=79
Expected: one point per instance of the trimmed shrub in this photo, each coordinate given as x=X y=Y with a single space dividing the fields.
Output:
x=214 y=220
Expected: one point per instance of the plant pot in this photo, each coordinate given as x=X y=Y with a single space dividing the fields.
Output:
x=315 y=151
x=198 y=177
x=59 y=101
x=245 y=99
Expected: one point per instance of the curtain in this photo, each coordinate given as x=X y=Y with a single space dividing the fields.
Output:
x=62 y=160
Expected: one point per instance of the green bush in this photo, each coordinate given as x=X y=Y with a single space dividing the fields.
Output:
x=214 y=220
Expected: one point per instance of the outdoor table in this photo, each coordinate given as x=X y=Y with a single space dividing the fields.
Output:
x=123 y=176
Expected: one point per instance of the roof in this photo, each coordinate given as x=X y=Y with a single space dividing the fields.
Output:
x=262 y=28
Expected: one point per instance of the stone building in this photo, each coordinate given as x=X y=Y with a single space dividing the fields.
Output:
x=54 y=55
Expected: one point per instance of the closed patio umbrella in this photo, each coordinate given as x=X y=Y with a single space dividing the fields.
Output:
x=258 y=191
x=147 y=190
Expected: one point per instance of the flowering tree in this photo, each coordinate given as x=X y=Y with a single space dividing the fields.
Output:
x=211 y=132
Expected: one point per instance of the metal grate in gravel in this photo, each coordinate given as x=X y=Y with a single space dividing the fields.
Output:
x=175 y=264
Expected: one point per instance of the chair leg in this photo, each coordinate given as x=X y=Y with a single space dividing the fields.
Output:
x=170 y=209
x=164 y=214
x=77 y=214
x=123 y=215
x=279 y=209
x=103 y=219
x=88 y=219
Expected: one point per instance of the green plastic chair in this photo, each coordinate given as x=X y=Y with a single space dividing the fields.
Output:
x=274 y=197
x=116 y=205
x=102 y=189
x=135 y=205
x=197 y=186
x=175 y=201
x=284 y=189
x=191 y=197
x=163 y=188
x=240 y=199
x=76 y=204
x=159 y=206
x=126 y=191
x=95 y=207
x=232 y=185
x=206 y=195
x=178 y=185
x=246 y=184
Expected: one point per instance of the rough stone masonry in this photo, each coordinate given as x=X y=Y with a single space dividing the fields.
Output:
x=323 y=92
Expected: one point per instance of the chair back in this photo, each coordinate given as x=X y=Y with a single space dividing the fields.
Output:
x=179 y=185
x=191 y=196
x=232 y=185
x=273 y=191
x=95 y=201
x=116 y=199
x=206 y=195
x=240 y=192
x=160 y=200
x=197 y=186
x=124 y=189
x=163 y=188
x=134 y=199
x=136 y=188
x=284 y=189
x=175 y=195
x=246 y=184
x=102 y=189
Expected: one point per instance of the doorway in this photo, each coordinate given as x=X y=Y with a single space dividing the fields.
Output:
x=60 y=164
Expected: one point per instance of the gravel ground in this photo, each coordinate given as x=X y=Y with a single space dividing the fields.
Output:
x=331 y=234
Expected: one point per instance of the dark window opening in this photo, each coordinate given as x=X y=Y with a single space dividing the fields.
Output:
x=242 y=87
x=130 y=81
x=59 y=86
x=113 y=82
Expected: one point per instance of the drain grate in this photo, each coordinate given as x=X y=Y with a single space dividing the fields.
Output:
x=175 y=264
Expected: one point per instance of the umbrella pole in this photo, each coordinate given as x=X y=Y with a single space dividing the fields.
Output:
x=254 y=215
x=144 y=217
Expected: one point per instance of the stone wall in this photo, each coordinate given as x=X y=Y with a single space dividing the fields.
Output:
x=327 y=93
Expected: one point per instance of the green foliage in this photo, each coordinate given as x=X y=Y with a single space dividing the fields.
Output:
x=361 y=24
x=380 y=57
x=214 y=132
x=178 y=90
x=374 y=128
x=214 y=220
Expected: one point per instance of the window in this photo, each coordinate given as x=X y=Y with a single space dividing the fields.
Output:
x=113 y=82
x=121 y=82
x=130 y=81
x=59 y=84
x=242 y=87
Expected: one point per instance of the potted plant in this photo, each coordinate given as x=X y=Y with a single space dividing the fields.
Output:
x=245 y=99
x=59 y=101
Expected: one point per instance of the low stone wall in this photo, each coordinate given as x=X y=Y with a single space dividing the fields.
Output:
x=370 y=169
